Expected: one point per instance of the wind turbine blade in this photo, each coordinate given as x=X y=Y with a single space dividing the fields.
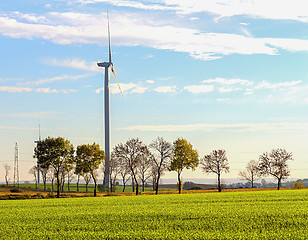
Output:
x=110 y=59
x=116 y=79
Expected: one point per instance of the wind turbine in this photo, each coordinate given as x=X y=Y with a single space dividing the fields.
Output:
x=108 y=67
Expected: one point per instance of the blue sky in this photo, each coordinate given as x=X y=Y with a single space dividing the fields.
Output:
x=222 y=74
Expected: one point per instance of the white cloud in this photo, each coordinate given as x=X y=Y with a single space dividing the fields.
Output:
x=49 y=90
x=222 y=99
x=274 y=9
x=99 y=90
x=268 y=85
x=16 y=128
x=36 y=115
x=11 y=79
x=248 y=92
x=131 y=31
x=292 y=45
x=236 y=127
x=165 y=89
x=46 y=90
x=199 y=88
x=148 y=56
x=30 y=17
x=194 y=18
x=150 y=81
x=141 y=30
x=139 y=89
x=226 y=90
x=129 y=3
x=230 y=81
x=127 y=88
x=14 y=89
x=73 y=63
x=165 y=78
x=54 y=79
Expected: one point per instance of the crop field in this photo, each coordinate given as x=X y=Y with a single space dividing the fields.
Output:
x=226 y=215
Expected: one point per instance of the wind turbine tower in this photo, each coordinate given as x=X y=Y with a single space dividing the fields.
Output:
x=108 y=67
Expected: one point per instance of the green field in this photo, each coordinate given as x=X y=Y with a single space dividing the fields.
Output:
x=226 y=215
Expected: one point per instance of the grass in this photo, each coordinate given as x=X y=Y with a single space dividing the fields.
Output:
x=227 y=215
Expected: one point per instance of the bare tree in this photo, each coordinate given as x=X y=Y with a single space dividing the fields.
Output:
x=162 y=153
x=124 y=171
x=132 y=152
x=44 y=172
x=51 y=176
x=62 y=178
x=70 y=178
x=275 y=164
x=216 y=162
x=33 y=171
x=114 y=171
x=7 y=169
x=154 y=176
x=251 y=173
x=87 y=179
x=132 y=180
x=143 y=169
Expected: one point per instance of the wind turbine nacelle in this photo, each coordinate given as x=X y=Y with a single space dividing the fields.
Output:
x=104 y=64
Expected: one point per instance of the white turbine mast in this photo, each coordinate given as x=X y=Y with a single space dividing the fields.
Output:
x=108 y=66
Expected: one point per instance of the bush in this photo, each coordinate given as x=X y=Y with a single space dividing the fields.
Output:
x=50 y=195
x=100 y=187
x=15 y=190
x=191 y=186
x=298 y=185
x=39 y=195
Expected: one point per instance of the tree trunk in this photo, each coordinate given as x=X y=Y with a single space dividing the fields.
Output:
x=179 y=183
x=279 y=183
x=218 y=184
x=78 y=176
x=143 y=184
x=35 y=184
x=123 y=186
x=133 y=184
x=252 y=180
x=137 y=185
x=68 y=182
x=87 y=186
x=52 y=180
x=94 y=179
x=45 y=185
x=111 y=186
x=157 y=182
x=137 y=188
x=58 y=184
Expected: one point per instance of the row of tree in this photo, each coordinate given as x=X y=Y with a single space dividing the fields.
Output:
x=59 y=155
x=139 y=163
